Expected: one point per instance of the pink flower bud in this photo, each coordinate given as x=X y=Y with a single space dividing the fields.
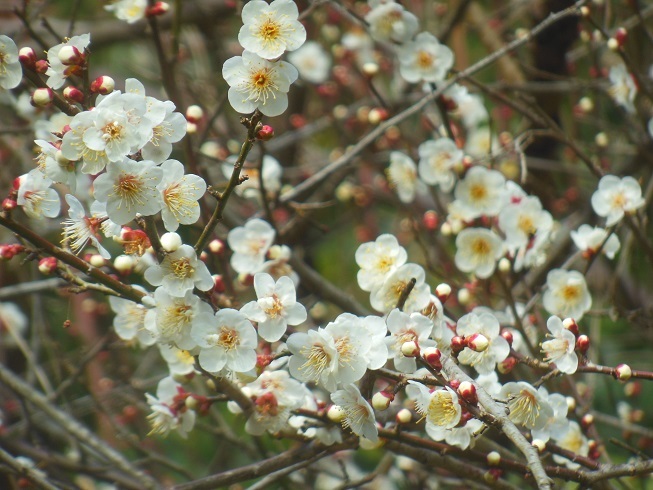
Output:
x=507 y=334
x=492 y=475
x=507 y=365
x=194 y=114
x=42 y=97
x=587 y=420
x=381 y=400
x=443 y=291
x=457 y=344
x=73 y=94
x=433 y=357
x=218 y=284
x=41 y=66
x=454 y=383
x=9 y=204
x=266 y=133
x=159 y=8
x=620 y=35
x=623 y=372
x=103 y=85
x=632 y=389
x=377 y=115
x=430 y=221
x=47 y=265
x=27 y=57
x=467 y=392
x=583 y=344
x=70 y=55
x=410 y=349
x=404 y=416
x=477 y=342
x=571 y=325
x=216 y=246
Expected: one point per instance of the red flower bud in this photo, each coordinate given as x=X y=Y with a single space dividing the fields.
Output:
x=266 y=133
x=73 y=94
x=103 y=85
x=583 y=344
x=467 y=392
x=507 y=334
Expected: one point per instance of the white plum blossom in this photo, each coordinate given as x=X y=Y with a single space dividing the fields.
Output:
x=589 y=239
x=521 y=221
x=389 y=21
x=424 y=59
x=312 y=62
x=128 y=10
x=487 y=325
x=386 y=297
x=558 y=422
x=179 y=272
x=402 y=175
x=378 y=260
x=179 y=193
x=480 y=193
x=469 y=107
x=37 y=197
x=490 y=383
x=169 y=410
x=615 y=197
x=623 y=88
x=527 y=407
x=481 y=143
x=79 y=229
x=566 y=294
x=74 y=148
x=407 y=328
x=256 y=83
x=58 y=72
x=180 y=362
x=173 y=318
x=477 y=251
x=227 y=341
x=129 y=188
x=11 y=72
x=437 y=159
x=250 y=243
x=278 y=266
x=276 y=306
x=561 y=346
x=271 y=172
x=53 y=164
x=129 y=322
x=170 y=130
x=572 y=439
x=359 y=415
x=271 y=29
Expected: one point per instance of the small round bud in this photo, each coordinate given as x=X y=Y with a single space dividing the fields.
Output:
x=457 y=344
x=47 y=265
x=41 y=66
x=191 y=403
x=42 y=97
x=583 y=344
x=507 y=365
x=492 y=475
x=433 y=357
x=493 y=458
x=194 y=114
x=210 y=384
x=9 y=204
x=381 y=400
x=623 y=372
x=620 y=35
x=613 y=44
x=464 y=296
x=370 y=69
x=586 y=104
x=96 y=260
x=410 y=349
x=467 y=392
x=539 y=444
x=477 y=342
x=601 y=140
x=171 y=241
x=336 y=413
x=404 y=416
x=632 y=389
x=504 y=265
x=216 y=246
x=443 y=291
x=27 y=57
x=103 y=85
x=148 y=301
x=70 y=55
x=587 y=420
x=507 y=334
x=430 y=220
x=377 y=115
x=123 y=264
x=446 y=229
x=585 y=11
x=218 y=284
x=204 y=256
x=266 y=133
x=191 y=128
x=159 y=8
x=73 y=94
x=571 y=325
x=571 y=403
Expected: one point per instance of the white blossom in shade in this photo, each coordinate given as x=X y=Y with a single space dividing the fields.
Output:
x=179 y=272
x=378 y=260
x=589 y=239
x=129 y=322
x=57 y=71
x=36 y=197
x=271 y=29
x=487 y=325
x=227 y=341
x=169 y=411
x=386 y=297
x=402 y=175
x=180 y=362
x=13 y=324
x=572 y=439
x=179 y=193
x=326 y=434
x=522 y=220
x=490 y=383
x=312 y=62
x=477 y=251
x=169 y=131
x=469 y=107
x=256 y=83
x=437 y=159
x=440 y=332
x=558 y=421
x=527 y=407
x=278 y=265
x=561 y=346
x=74 y=148
x=276 y=306
x=389 y=21
x=99 y=212
x=623 y=88
x=441 y=408
x=11 y=72
x=129 y=188
x=128 y=10
x=615 y=197
x=250 y=243
x=481 y=143
x=173 y=318
x=45 y=129
x=424 y=59
x=406 y=328
x=359 y=415
x=54 y=165
x=251 y=188
x=566 y=294
x=481 y=192
x=79 y=229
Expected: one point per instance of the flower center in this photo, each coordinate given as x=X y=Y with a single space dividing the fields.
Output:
x=526 y=225
x=276 y=308
x=128 y=188
x=317 y=360
x=267 y=405
x=524 y=409
x=228 y=338
x=442 y=410
x=182 y=268
x=112 y=131
x=481 y=247
x=478 y=192
x=424 y=59
x=270 y=31
x=176 y=318
x=571 y=292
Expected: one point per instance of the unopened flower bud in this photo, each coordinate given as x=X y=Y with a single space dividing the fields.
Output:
x=103 y=85
x=266 y=133
x=585 y=11
x=443 y=291
x=430 y=220
x=613 y=44
x=191 y=128
x=47 y=265
x=623 y=372
x=507 y=365
x=381 y=400
x=457 y=344
x=571 y=325
x=70 y=55
x=634 y=388
x=477 y=342
x=583 y=344
x=601 y=140
x=27 y=57
x=446 y=229
x=586 y=104
x=218 y=284
x=464 y=296
x=191 y=403
x=216 y=246
x=73 y=94
x=507 y=335
x=467 y=392
x=404 y=416
x=41 y=66
x=9 y=204
x=194 y=114
x=42 y=97
x=587 y=420
x=492 y=475
x=571 y=403
x=377 y=115
x=620 y=35
x=539 y=444
x=123 y=264
x=171 y=241
x=336 y=413
x=370 y=69
x=433 y=357
x=96 y=260
x=410 y=349
x=504 y=265
x=493 y=458
x=159 y=8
